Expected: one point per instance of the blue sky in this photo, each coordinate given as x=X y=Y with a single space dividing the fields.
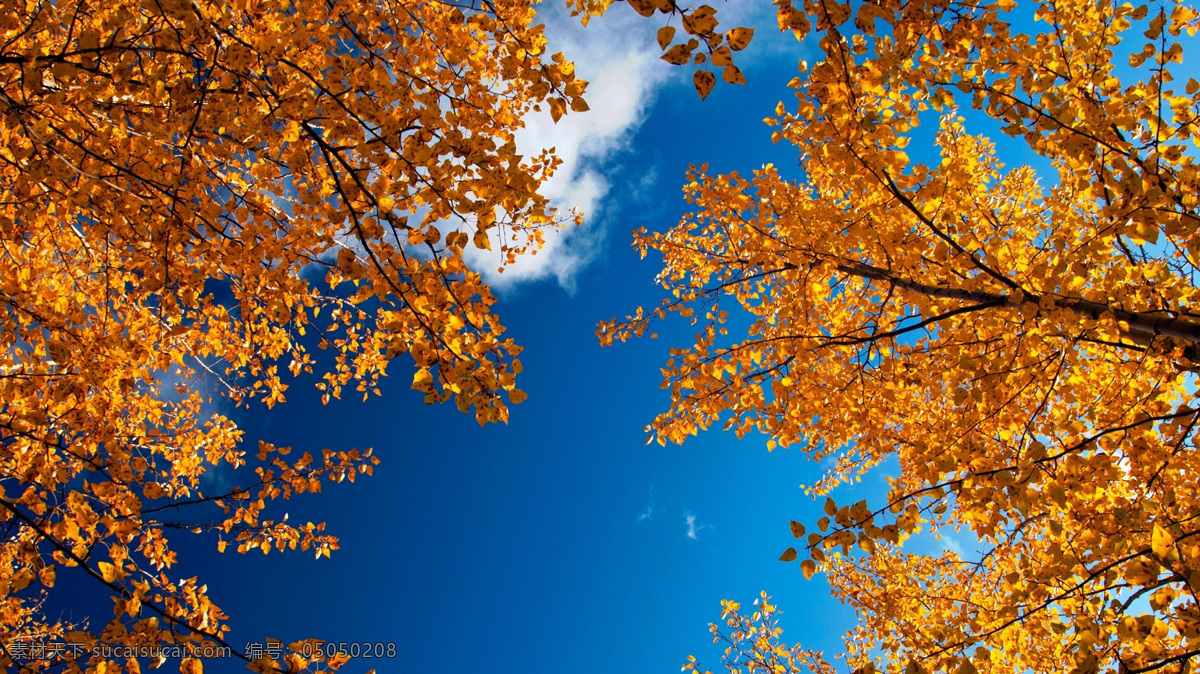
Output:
x=561 y=542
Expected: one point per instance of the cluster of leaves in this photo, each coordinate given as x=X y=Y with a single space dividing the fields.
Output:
x=1023 y=344
x=193 y=194
x=700 y=23
x=753 y=643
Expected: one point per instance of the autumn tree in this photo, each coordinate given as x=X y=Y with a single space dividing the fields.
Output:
x=193 y=196
x=1019 y=341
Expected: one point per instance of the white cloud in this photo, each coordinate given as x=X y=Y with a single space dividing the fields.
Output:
x=647 y=514
x=651 y=511
x=693 y=529
x=616 y=54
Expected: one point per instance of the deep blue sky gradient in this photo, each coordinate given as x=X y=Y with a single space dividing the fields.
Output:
x=522 y=548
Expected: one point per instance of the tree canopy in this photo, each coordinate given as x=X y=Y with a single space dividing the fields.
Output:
x=192 y=195
x=1019 y=343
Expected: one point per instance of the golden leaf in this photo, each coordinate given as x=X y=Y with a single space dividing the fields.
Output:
x=664 y=36
x=1161 y=542
x=808 y=567
x=733 y=75
x=481 y=240
x=677 y=55
x=739 y=38
x=704 y=81
x=700 y=21
x=643 y=7
x=21 y=581
x=111 y=572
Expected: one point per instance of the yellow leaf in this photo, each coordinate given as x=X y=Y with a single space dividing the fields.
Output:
x=739 y=38
x=1058 y=494
x=808 y=567
x=797 y=529
x=704 y=81
x=1146 y=232
x=558 y=108
x=110 y=572
x=1161 y=542
x=788 y=555
x=643 y=7
x=732 y=75
x=481 y=240
x=59 y=352
x=700 y=21
x=21 y=580
x=517 y=396
x=665 y=35
x=677 y=55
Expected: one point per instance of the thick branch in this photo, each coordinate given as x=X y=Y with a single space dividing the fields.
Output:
x=1139 y=323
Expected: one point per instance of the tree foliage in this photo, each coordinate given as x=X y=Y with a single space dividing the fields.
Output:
x=1021 y=342
x=192 y=195
x=753 y=646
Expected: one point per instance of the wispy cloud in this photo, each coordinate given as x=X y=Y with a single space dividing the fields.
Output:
x=951 y=544
x=647 y=514
x=694 y=529
x=651 y=510
x=616 y=54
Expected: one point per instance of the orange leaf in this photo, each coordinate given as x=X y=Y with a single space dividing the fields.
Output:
x=704 y=81
x=739 y=38
x=665 y=35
